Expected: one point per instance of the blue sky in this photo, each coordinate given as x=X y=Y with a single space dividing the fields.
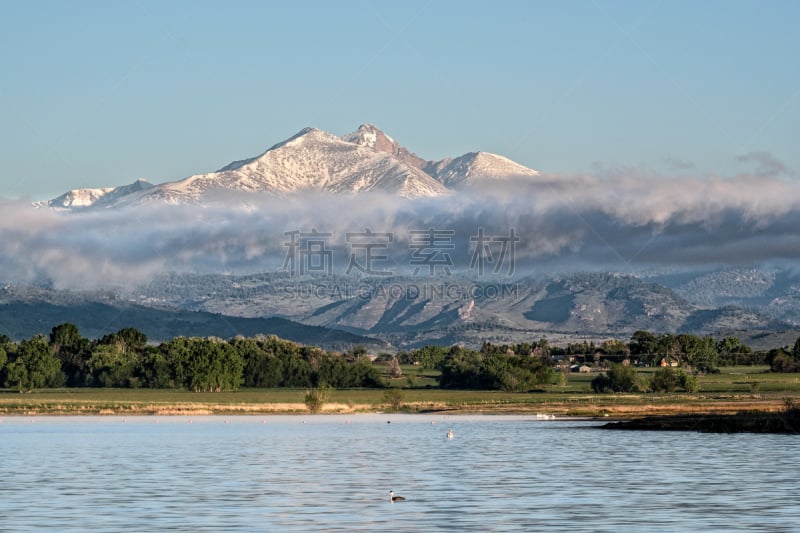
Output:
x=103 y=93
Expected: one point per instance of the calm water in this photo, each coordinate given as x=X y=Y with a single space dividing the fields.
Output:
x=323 y=473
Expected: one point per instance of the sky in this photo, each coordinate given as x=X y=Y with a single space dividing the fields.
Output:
x=102 y=93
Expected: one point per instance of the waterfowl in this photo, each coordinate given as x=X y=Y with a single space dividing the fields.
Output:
x=394 y=498
x=451 y=433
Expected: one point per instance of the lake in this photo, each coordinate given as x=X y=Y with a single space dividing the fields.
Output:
x=334 y=473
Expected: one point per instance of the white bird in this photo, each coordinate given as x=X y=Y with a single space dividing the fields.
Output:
x=451 y=434
x=394 y=498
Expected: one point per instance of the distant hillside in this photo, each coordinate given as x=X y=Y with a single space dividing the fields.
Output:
x=21 y=319
x=773 y=292
x=404 y=311
x=410 y=311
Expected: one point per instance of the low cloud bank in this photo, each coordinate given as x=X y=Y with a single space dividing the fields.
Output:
x=624 y=222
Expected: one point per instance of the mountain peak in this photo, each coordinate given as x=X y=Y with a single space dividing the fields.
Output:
x=474 y=167
x=88 y=197
x=312 y=159
x=307 y=133
x=372 y=137
x=368 y=127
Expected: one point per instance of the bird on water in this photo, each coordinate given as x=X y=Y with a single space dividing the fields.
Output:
x=394 y=498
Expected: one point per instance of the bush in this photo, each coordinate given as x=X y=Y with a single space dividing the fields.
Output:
x=783 y=362
x=664 y=380
x=688 y=382
x=619 y=378
x=669 y=379
x=393 y=397
x=315 y=398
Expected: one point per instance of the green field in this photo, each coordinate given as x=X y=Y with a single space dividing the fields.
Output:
x=732 y=390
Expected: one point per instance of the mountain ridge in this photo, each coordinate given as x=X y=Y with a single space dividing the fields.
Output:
x=600 y=304
x=366 y=160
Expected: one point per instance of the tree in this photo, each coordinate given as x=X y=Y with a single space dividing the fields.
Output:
x=781 y=361
x=127 y=339
x=35 y=366
x=355 y=354
x=111 y=366
x=154 y=371
x=73 y=351
x=643 y=345
x=297 y=372
x=211 y=365
x=615 y=348
x=203 y=364
x=262 y=367
x=17 y=375
x=7 y=354
x=393 y=368
x=561 y=377
x=700 y=353
x=3 y=359
x=796 y=351
x=64 y=336
x=495 y=370
x=430 y=357
x=461 y=369
x=731 y=350
x=176 y=353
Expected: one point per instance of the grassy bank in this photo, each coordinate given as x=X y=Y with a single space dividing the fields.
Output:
x=734 y=390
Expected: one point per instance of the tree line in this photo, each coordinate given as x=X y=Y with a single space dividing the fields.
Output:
x=704 y=354
x=125 y=359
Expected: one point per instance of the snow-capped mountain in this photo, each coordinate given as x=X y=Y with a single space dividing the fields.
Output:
x=314 y=160
x=77 y=198
x=311 y=160
x=475 y=167
x=468 y=168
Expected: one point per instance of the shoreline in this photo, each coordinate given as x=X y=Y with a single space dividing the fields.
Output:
x=591 y=408
x=786 y=422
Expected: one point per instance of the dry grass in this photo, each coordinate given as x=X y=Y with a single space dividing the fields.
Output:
x=569 y=401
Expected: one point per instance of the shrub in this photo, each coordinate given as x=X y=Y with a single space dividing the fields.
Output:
x=619 y=378
x=393 y=397
x=315 y=398
x=664 y=380
x=688 y=382
x=668 y=379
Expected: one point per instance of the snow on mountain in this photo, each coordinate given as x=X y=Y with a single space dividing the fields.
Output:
x=310 y=160
x=468 y=168
x=76 y=198
x=96 y=197
x=476 y=166
x=314 y=160
x=372 y=137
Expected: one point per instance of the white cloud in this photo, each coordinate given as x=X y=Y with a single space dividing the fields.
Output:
x=622 y=221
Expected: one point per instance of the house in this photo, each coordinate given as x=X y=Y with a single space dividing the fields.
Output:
x=668 y=361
